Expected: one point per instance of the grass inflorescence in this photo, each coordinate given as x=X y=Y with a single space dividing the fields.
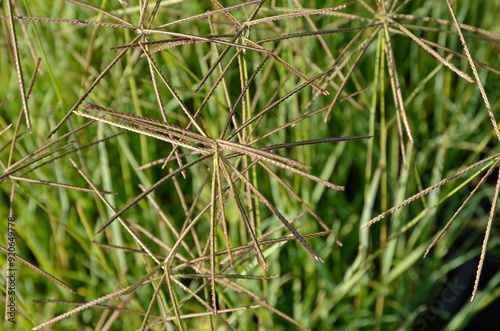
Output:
x=160 y=156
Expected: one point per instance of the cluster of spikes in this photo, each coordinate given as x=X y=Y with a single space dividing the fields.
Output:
x=233 y=153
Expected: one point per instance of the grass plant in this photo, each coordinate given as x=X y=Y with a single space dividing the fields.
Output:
x=161 y=159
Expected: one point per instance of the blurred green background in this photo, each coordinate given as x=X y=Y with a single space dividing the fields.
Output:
x=378 y=279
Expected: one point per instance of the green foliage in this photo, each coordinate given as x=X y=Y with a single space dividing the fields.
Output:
x=226 y=159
